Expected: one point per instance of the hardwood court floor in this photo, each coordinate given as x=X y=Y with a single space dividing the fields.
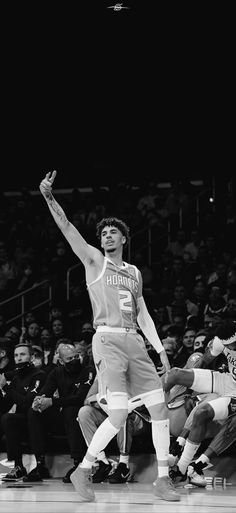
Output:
x=53 y=496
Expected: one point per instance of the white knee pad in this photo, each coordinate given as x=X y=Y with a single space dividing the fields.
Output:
x=154 y=397
x=220 y=407
x=117 y=400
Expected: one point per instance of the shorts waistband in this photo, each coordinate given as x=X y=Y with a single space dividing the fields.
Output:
x=115 y=330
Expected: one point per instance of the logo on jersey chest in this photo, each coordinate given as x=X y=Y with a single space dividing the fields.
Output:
x=116 y=280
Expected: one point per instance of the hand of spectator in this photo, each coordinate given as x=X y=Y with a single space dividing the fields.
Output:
x=46 y=184
x=45 y=402
x=36 y=405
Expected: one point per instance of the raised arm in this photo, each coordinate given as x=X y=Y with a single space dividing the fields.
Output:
x=88 y=255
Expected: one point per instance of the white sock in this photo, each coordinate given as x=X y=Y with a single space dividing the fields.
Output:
x=86 y=463
x=105 y=432
x=161 y=442
x=124 y=458
x=187 y=455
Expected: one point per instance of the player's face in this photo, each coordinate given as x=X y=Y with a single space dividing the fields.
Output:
x=111 y=239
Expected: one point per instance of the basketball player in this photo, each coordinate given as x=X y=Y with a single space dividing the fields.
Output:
x=208 y=381
x=123 y=365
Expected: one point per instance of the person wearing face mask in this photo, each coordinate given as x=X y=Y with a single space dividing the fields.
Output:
x=18 y=387
x=55 y=410
x=87 y=332
x=38 y=357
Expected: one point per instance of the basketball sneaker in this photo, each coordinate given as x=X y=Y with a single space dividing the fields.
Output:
x=120 y=475
x=38 y=473
x=102 y=472
x=16 y=474
x=163 y=488
x=196 y=475
x=81 y=480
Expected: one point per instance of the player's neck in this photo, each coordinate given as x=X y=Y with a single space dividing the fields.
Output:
x=116 y=258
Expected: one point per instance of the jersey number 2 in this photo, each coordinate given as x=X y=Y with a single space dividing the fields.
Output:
x=125 y=300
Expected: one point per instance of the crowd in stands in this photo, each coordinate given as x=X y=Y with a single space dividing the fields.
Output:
x=189 y=289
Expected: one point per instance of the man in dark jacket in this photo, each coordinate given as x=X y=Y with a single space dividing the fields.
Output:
x=18 y=389
x=57 y=407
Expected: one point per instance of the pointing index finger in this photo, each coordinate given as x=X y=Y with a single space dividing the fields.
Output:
x=54 y=173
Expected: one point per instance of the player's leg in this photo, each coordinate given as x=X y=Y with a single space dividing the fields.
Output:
x=178 y=446
x=147 y=384
x=204 y=413
x=225 y=437
x=90 y=418
x=111 y=366
x=155 y=403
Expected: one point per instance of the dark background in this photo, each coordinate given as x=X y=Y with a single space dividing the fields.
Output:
x=105 y=96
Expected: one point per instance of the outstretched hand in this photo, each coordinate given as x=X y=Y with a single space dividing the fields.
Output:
x=46 y=184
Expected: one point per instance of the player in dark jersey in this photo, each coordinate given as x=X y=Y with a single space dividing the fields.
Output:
x=207 y=381
x=123 y=365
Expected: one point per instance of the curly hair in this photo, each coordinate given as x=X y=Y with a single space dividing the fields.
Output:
x=112 y=221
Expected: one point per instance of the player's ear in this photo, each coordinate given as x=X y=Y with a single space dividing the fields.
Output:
x=123 y=239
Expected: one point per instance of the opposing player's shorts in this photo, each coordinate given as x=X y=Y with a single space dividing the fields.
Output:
x=123 y=364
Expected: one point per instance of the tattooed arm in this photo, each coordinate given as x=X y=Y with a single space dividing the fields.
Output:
x=88 y=255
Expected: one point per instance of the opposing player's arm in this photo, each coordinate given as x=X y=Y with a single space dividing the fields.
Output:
x=86 y=253
x=147 y=326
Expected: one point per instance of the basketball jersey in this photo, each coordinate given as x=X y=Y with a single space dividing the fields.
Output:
x=114 y=295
